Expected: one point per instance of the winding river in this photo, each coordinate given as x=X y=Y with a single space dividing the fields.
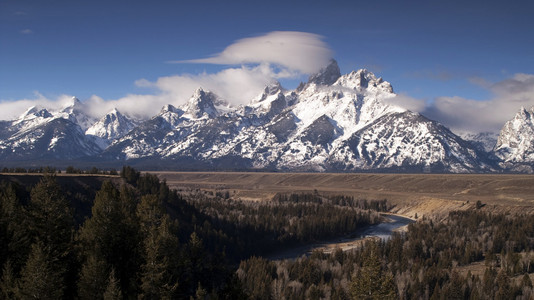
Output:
x=382 y=230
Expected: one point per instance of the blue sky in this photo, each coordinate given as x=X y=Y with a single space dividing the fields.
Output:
x=444 y=52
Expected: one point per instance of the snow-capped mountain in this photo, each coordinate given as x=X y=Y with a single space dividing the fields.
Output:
x=41 y=135
x=110 y=127
x=515 y=146
x=75 y=112
x=333 y=122
x=486 y=141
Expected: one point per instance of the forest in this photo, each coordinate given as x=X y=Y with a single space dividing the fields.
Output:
x=134 y=237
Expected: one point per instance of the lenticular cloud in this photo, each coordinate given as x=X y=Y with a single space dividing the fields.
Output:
x=299 y=51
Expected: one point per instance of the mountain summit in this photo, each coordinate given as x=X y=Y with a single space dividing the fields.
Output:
x=515 y=145
x=327 y=75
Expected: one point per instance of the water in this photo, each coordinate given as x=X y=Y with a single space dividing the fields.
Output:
x=385 y=229
x=382 y=230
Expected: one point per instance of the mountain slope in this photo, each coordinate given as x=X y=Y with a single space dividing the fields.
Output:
x=112 y=126
x=515 y=145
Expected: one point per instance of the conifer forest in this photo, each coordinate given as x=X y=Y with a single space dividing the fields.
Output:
x=100 y=235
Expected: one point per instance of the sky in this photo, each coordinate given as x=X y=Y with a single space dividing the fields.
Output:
x=467 y=64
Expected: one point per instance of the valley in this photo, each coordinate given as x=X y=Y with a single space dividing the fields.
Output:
x=410 y=194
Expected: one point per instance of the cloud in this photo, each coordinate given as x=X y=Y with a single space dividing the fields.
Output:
x=235 y=85
x=467 y=115
x=407 y=102
x=297 y=51
x=10 y=110
x=26 y=31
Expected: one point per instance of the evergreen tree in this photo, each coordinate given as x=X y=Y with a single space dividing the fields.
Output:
x=113 y=289
x=159 y=280
x=93 y=278
x=51 y=219
x=51 y=225
x=14 y=240
x=111 y=235
x=39 y=279
x=200 y=293
x=371 y=282
x=8 y=282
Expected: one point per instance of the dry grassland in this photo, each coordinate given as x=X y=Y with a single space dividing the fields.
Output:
x=422 y=194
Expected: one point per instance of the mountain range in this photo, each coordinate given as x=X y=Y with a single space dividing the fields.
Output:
x=334 y=123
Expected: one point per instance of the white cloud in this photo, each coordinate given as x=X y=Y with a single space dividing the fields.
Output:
x=466 y=115
x=298 y=51
x=407 y=102
x=235 y=85
x=12 y=109
x=26 y=31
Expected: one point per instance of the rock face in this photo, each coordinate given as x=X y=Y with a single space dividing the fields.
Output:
x=333 y=122
x=515 y=145
x=327 y=75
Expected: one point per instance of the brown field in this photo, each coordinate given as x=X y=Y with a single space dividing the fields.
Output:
x=421 y=194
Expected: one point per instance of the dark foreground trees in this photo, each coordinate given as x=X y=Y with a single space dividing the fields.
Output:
x=128 y=247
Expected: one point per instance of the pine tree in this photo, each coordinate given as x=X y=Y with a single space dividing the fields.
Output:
x=51 y=218
x=51 y=225
x=159 y=280
x=371 y=282
x=113 y=289
x=93 y=278
x=39 y=279
x=14 y=239
x=111 y=235
x=8 y=282
x=200 y=293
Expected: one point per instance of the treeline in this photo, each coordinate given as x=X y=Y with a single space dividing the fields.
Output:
x=136 y=243
x=92 y=171
x=420 y=264
x=287 y=220
x=53 y=170
x=41 y=170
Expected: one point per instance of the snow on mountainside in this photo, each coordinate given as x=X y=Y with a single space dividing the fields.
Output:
x=333 y=122
x=516 y=141
x=74 y=112
x=41 y=134
x=112 y=126
x=485 y=141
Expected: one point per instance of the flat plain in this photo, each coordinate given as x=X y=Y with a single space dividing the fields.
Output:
x=411 y=194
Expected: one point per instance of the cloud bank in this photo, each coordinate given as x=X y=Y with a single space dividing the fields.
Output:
x=467 y=115
x=297 y=51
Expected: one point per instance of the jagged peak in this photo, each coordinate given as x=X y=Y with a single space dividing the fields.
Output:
x=202 y=103
x=363 y=79
x=271 y=89
x=36 y=111
x=168 y=108
x=327 y=75
x=72 y=104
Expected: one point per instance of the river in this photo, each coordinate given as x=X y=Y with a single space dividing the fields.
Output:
x=382 y=230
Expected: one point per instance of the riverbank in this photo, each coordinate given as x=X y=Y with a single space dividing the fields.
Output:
x=383 y=230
